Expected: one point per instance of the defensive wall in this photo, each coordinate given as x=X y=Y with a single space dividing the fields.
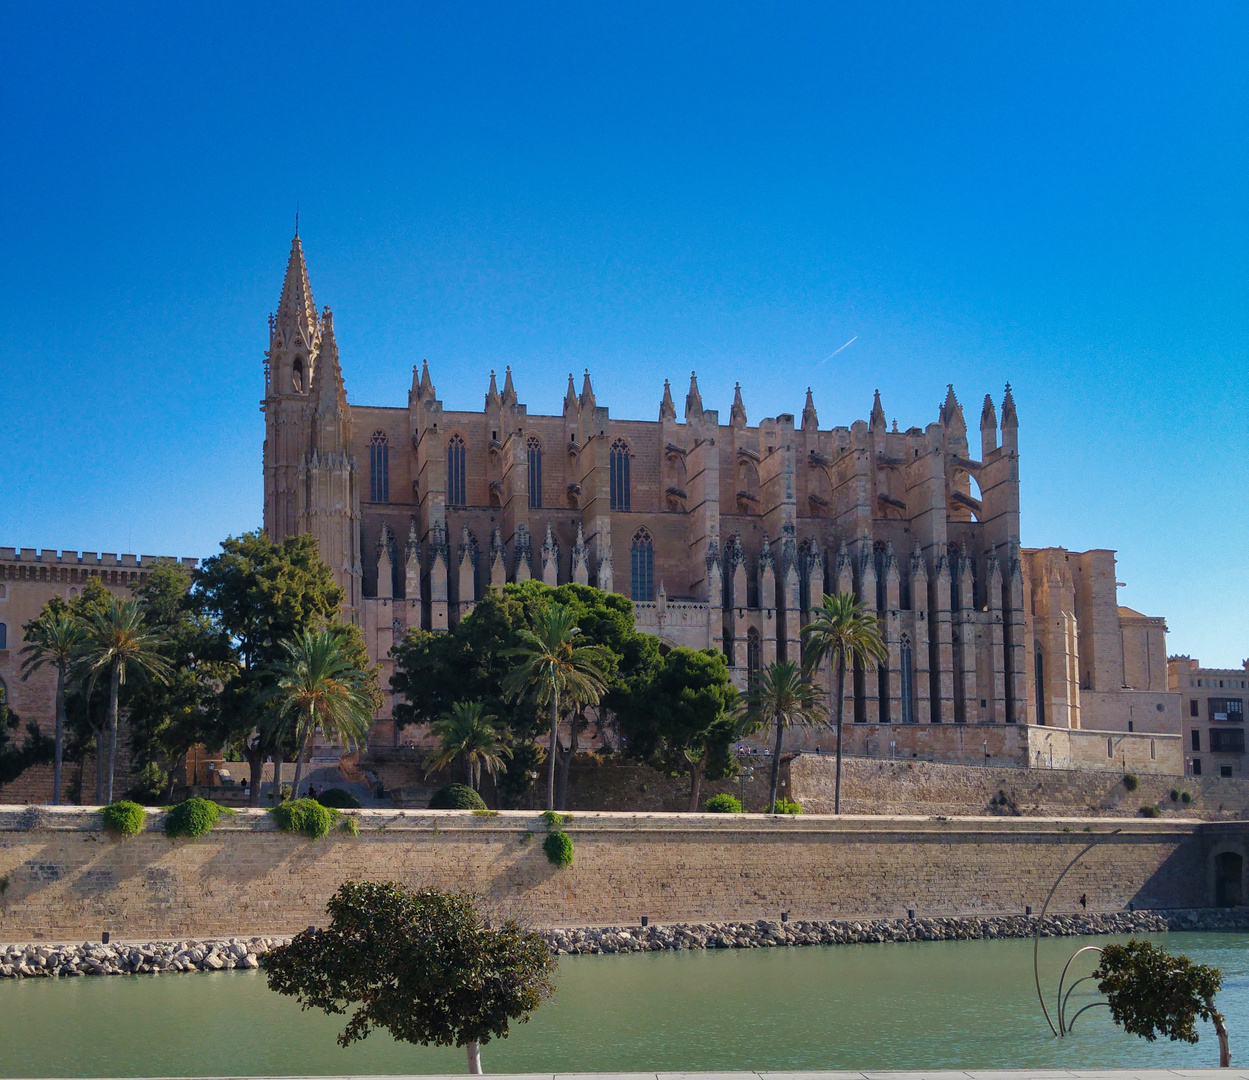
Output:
x=67 y=880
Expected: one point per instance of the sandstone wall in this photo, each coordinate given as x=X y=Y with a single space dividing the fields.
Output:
x=925 y=787
x=67 y=880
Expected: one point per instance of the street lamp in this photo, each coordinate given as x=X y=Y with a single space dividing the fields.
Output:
x=746 y=773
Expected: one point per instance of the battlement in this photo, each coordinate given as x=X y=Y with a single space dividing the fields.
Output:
x=102 y=560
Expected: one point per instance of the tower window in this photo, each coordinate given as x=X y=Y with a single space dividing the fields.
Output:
x=4 y=636
x=379 y=468
x=907 y=679
x=297 y=375
x=455 y=471
x=753 y=656
x=642 y=557
x=1040 y=688
x=619 y=472
x=534 y=448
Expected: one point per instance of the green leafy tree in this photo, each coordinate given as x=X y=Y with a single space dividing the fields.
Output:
x=257 y=594
x=321 y=683
x=1151 y=992
x=842 y=631
x=54 y=637
x=16 y=758
x=782 y=697
x=86 y=703
x=552 y=665
x=422 y=965
x=682 y=717
x=468 y=734
x=118 y=642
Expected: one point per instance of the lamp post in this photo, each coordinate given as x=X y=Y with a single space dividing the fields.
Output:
x=745 y=774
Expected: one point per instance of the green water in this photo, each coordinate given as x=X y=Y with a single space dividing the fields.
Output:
x=948 y=1005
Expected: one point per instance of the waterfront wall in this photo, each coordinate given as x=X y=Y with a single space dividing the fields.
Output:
x=68 y=880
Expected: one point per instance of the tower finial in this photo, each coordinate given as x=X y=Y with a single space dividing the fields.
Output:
x=877 y=421
x=667 y=407
x=297 y=218
x=810 y=421
x=737 y=414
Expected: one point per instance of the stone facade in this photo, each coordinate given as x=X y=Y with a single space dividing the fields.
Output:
x=69 y=881
x=724 y=534
x=1213 y=711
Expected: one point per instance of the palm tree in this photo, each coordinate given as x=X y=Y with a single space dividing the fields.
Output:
x=55 y=637
x=551 y=664
x=843 y=631
x=117 y=640
x=468 y=733
x=320 y=684
x=783 y=696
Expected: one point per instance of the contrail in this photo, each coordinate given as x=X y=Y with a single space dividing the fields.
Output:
x=836 y=351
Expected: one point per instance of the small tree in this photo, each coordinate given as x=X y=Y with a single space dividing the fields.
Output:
x=54 y=638
x=783 y=696
x=424 y=965
x=467 y=733
x=1152 y=993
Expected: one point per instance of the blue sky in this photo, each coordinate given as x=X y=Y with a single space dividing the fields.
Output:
x=1053 y=194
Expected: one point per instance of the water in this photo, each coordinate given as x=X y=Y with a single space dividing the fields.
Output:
x=934 y=1005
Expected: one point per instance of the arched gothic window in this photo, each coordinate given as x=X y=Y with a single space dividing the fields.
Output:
x=907 y=672
x=379 y=468
x=753 y=656
x=642 y=557
x=297 y=375
x=455 y=471
x=4 y=636
x=619 y=472
x=534 y=448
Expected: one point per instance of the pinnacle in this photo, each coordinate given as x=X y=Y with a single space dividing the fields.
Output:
x=693 y=400
x=667 y=408
x=737 y=415
x=878 y=412
x=1009 y=418
x=988 y=415
x=296 y=309
x=492 y=393
x=509 y=391
x=587 y=391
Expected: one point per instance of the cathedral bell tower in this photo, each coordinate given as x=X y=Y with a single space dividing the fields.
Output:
x=311 y=478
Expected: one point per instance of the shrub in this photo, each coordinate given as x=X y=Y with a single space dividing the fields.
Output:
x=456 y=797
x=724 y=804
x=192 y=818
x=338 y=799
x=124 y=818
x=558 y=848
x=786 y=806
x=305 y=816
x=349 y=825
x=1185 y=797
x=554 y=820
x=150 y=786
x=1130 y=781
x=1175 y=794
x=1150 y=811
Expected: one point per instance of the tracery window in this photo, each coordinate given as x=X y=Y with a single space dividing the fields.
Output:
x=379 y=468
x=455 y=472
x=619 y=472
x=534 y=448
x=753 y=656
x=907 y=680
x=642 y=559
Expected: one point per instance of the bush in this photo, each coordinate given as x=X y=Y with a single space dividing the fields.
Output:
x=305 y=816
x=786 y=806
x=1130 y=781
x=456 y=797
x=554 y=820
x=1175 y=794
x=192 y=818
x=724 y=804
x=349 y=825
x=150 y=786
x=558 y=848
x=124 y=818
x=338 y=799
x=1150 y=811
x=1185 y=797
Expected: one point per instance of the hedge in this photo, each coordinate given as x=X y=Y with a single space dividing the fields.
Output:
x=456 y=797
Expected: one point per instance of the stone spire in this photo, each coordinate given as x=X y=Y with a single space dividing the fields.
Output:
x=737 y=414
x=498 y=559
x=492 y=394
x=667 y=407
x=571 y=404
x=509 y=391
x=550 y=558
x=580 y=568
x=412 y=563
x=952 y=413
x=587 y=392
x=988 y=415
x=810 y=421
x=328 y=392
x=693 y=400
x=297 y=314
x=877 y=421
x=988 y=428
x=425 y=388
x=1009 y=419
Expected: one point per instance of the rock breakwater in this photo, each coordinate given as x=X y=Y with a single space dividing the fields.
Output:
x=157 y=957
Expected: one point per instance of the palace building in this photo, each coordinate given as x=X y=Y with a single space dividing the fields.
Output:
x=725 y=534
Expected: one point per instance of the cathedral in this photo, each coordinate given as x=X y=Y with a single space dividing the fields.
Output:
x=725 y=534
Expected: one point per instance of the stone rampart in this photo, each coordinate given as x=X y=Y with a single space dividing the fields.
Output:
x=68 y=880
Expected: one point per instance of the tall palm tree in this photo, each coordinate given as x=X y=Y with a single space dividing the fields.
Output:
x=783 y=696
x=320 y=684
x=55 y=637
x=467 y=733
x=842 y=630
x=551 y=665
x=117 y=640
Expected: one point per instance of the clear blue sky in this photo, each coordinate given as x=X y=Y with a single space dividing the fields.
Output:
x=1054 y=194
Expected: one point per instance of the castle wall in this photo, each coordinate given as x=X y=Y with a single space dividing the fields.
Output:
x=69 y=881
